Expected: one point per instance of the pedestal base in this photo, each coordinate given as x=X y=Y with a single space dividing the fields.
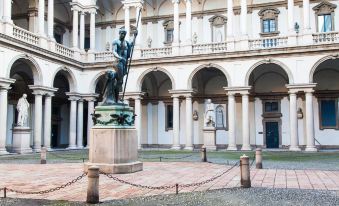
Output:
x=21 y=140
x=114 y=150
x=210 y=138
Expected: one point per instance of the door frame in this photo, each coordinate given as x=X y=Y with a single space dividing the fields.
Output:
x=279 y=129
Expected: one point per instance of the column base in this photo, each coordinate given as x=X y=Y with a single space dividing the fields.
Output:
x=311 y=149
x=176 y=147
x=190 y=148
x=294 y=148
x=36 y=150
x=3 y=152
x=232 y=148
x=80 y=147
x=72 y=147
x=211 y=148
x=246 y=148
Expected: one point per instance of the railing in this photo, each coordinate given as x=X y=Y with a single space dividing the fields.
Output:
x=104 y=56
x=65 y=51
x=266 y=43
x=209 y=48
x=326 y=37
x=156 y=52
x=25 y=35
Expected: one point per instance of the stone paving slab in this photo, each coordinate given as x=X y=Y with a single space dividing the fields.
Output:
x=36 y=177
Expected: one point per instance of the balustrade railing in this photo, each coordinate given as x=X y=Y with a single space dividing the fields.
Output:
x=26 y=36
x=326 y=37
x=156 y=52
x=209 y=48
x=104 y=56
x=267 y=42
x=65 y=51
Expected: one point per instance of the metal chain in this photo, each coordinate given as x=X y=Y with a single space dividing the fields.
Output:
x=49 y=190
x=167 y=186
x=169 y=158
x=252 y=160
x=209 y=180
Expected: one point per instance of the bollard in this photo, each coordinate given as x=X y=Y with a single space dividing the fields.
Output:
x=245 y=177
x=203 y=154
x=258 y=158
x=5 y=192
x=43 y=155
x=93 y=185
x=176 y=188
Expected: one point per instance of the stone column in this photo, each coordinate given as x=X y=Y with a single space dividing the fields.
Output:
x=47 y=120
x=230 y=16
x=41 y=16
x=306 y=10
x=290 y=13
x=245 y=122
x=176 y=22
x=50 y=19
x=7 y=12
x=294 y=122
x=189 y=21
x=138 y=125
x=127 y=24
x=82 y=30
x=176 y=123
x=80 y=124
x=243 y=18
x=89 y=118
x=231 y=122
x=73 y=122
x=3 y=119
x=37 y=121
x=139 y=37
x=310 y=146
x=92 y=30
x=75 y=28
x=189 y=123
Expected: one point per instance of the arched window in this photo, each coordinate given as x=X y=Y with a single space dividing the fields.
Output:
x=269 y=21
x=219 y=117
x=218 y=28
x=324 y=13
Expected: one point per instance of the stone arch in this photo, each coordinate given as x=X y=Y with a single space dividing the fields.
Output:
x=95 y=80
x=269 y=61
x=70 y=77
x=143 y=75
x=196 y=70
x=117 y=13
x=34 y=66
x=317 y=64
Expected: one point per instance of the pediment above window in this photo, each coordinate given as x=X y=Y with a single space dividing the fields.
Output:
x=268 y=13
x=169 y=24
x=324 y=7
x=218 y=20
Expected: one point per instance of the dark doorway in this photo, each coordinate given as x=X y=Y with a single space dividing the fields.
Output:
x=272 y=134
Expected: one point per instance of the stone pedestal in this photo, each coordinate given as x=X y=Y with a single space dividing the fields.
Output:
x=113 y=140
x=21 y=140
x=210 y=138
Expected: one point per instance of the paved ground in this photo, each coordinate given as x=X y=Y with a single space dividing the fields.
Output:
x=35 y=177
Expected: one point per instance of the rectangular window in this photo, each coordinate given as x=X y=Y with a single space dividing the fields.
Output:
x=271 y=107
x=169 y=36
x=325 y=23
x=328 y=113
x=269 y=25
x=169 y=117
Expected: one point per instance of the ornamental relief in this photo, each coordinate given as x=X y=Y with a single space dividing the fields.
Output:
x=324 y=7
x=269 y=13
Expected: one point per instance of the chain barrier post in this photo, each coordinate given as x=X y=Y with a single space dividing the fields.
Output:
x=5 y=191
x=160 y=159
x=258 y=158
x=203 y=154
x=245 y=177
x=176 y=188
x=93 y=185
x=43 y=155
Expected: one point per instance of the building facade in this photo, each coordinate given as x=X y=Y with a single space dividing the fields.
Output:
x=271 y=68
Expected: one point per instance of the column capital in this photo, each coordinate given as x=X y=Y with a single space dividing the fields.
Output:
x=307 y=88
x=135 y=95
x=182 y=93
x=73 y=96
x=90 y=97
x=188 y=1
x=6 y=82
x=126 y=6
x=42 y=90
x=237 y=90
x=175 y=1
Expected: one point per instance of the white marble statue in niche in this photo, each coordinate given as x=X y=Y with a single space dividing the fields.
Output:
x=209 y=114
x=220 y=117
x=22 y=109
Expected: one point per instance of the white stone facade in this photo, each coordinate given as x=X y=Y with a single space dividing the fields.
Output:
x=275 y=89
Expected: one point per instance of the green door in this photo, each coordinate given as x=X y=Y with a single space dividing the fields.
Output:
x=272 y=135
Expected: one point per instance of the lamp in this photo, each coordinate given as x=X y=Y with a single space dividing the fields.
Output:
x=296 y=27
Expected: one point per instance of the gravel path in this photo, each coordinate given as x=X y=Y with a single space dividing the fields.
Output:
x=224 y=197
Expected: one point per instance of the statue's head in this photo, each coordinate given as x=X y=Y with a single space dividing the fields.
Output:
x=122 y=33
x=24 y=96
x=209 y=101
